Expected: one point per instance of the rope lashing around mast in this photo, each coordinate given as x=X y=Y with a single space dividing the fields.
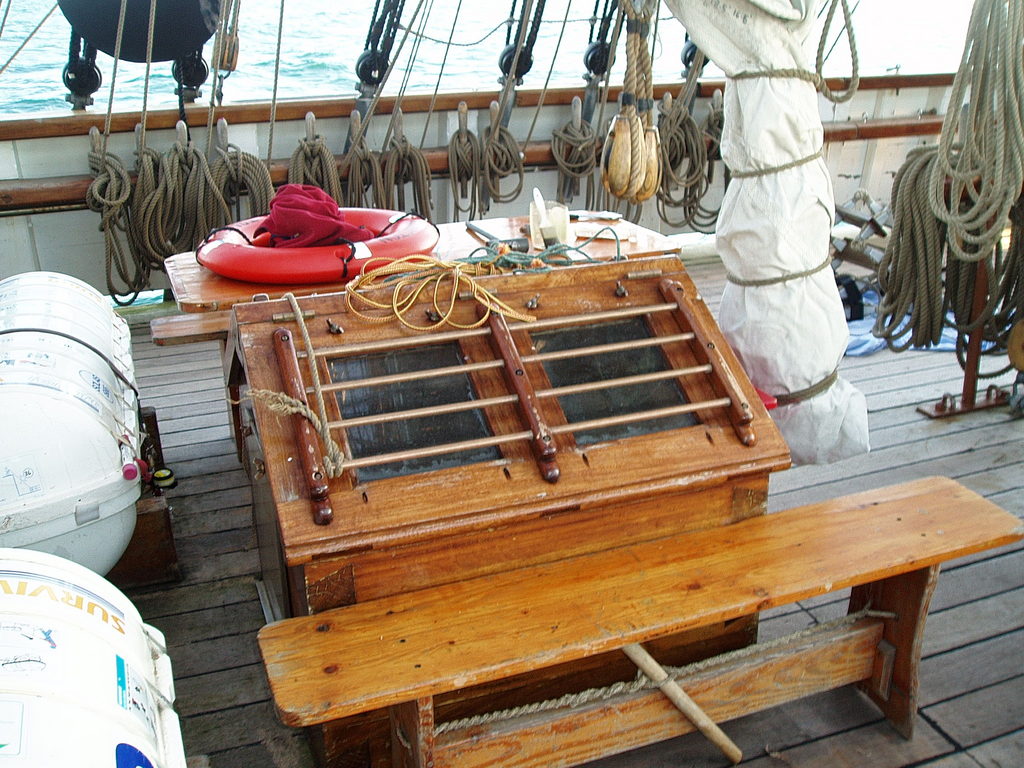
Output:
x=404 y=163
x=630 y=164
x=313 y=163
x=465 y=168
x=236 y=172
x=365 y=180
x=951 y=202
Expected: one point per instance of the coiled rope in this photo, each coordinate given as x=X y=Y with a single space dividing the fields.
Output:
x=465 y=168
x=404 y=163
x=502 y=158
x=108 y=194
x=364 y=186
x=910 y=272
x=977 y=179
x=687 y=168
x=413 y=277
x=236 y=173
x=575 y=148
x=313 y=163
x=186 y=204
x=951 y=202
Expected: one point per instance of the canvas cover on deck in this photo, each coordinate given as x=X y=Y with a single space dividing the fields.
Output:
x=789 y=335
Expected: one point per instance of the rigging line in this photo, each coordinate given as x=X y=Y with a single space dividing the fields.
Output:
x=472 y=43
x=145 y=84
x=30 y=34
x=218 y=52
x=547 y=80
x=413 y=53
x=361 y=132
x=3 y=21
x=437 y=85
x=277 y=76
x=113 y=73
x=508 y=87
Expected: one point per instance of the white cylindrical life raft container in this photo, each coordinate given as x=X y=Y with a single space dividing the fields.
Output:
x=70 y=433
x=83 y=681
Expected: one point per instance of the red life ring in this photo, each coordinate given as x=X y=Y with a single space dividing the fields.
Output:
x=231 y=252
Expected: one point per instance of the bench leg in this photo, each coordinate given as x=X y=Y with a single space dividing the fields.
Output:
x=894 y=683
x=412 y=734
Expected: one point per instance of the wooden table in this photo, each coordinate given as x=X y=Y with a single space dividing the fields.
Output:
x=197 y=289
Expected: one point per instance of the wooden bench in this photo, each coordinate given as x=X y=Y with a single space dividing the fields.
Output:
x=190 y=327
x=403 y=651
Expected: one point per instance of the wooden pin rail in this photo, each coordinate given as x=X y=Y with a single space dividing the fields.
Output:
x=406 y=651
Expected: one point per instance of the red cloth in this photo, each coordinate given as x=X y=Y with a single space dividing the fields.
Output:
x=302 y=215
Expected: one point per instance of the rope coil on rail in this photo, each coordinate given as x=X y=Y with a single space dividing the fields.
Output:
x=108 y=194
x=465 y=168
x=236 y=172
x=314 y=164
x=404 y=163
x=365 y=181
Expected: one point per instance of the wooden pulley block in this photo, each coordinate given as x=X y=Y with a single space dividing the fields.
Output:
x=637 y=166
x=652 y=164
x=1015 y=345
x=615 y=159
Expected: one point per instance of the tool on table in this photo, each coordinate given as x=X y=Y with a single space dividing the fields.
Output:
x=544 y=225
x=594 y=216
x=520 y=244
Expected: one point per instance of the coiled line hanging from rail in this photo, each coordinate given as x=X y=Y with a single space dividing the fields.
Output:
x=951 y=202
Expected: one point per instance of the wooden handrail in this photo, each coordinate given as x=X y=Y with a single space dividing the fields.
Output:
x=60 y=192
x=78 y=124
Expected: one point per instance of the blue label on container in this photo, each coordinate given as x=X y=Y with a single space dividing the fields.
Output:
x=128 y=756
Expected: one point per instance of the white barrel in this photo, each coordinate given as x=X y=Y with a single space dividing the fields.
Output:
x=70 y=432
x=83 y=681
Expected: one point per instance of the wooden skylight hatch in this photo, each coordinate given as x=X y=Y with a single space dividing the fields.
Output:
x=616 y=406
x=408 y=404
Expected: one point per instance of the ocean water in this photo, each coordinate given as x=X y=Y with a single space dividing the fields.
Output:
x=321 y=40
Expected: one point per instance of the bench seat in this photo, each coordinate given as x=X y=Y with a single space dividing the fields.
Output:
x=190 y=328
x=399 y=652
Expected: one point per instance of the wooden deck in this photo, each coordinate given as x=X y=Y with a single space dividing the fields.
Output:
x=973 y=669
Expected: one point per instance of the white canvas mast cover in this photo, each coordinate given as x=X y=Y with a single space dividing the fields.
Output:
x=781 y=310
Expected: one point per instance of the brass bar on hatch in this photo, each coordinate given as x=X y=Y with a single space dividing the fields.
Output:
x=416 y=413
x=401 y=378
x=629 y=418
x=590 y=317
x=385 y=345
x=624 y=381
x=599 y=349
x=436 y=450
